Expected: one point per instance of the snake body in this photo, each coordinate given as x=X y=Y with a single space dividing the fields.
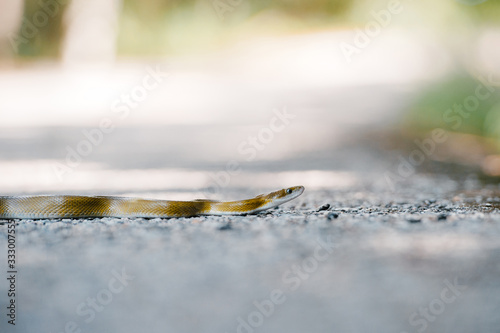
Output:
x=75 y=206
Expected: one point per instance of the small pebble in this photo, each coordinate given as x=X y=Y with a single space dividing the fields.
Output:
x=324 y=207
x=332 y=216
x=414 y=220
x=442 y=217
x=226 y=227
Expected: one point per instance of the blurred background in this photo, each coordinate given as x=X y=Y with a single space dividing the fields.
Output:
x=387 y=110
x=181 y=95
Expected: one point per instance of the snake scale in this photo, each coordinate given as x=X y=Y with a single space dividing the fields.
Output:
x=75 y=206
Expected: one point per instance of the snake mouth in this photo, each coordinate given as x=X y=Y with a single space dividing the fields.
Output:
x=298 y=190
x=285 y=195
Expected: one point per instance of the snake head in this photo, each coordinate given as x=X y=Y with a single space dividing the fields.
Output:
x=286 y=194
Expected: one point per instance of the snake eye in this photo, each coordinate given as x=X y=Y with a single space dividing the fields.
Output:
x=288 y=191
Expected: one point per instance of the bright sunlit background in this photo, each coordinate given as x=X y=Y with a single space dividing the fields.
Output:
x=131 y=96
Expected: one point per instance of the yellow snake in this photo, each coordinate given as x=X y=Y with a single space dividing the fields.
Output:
x=76 y=206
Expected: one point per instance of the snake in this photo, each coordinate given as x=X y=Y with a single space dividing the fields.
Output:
x=80 y=206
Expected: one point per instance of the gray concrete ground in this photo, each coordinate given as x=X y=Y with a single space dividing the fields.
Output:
x=422 y=258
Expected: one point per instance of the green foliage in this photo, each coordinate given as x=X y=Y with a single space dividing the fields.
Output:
x=160 y=27
x=43 y=37
x=167 y=26
x=460 y=104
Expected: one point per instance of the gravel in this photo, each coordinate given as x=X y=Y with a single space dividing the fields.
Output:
x=354 y=260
